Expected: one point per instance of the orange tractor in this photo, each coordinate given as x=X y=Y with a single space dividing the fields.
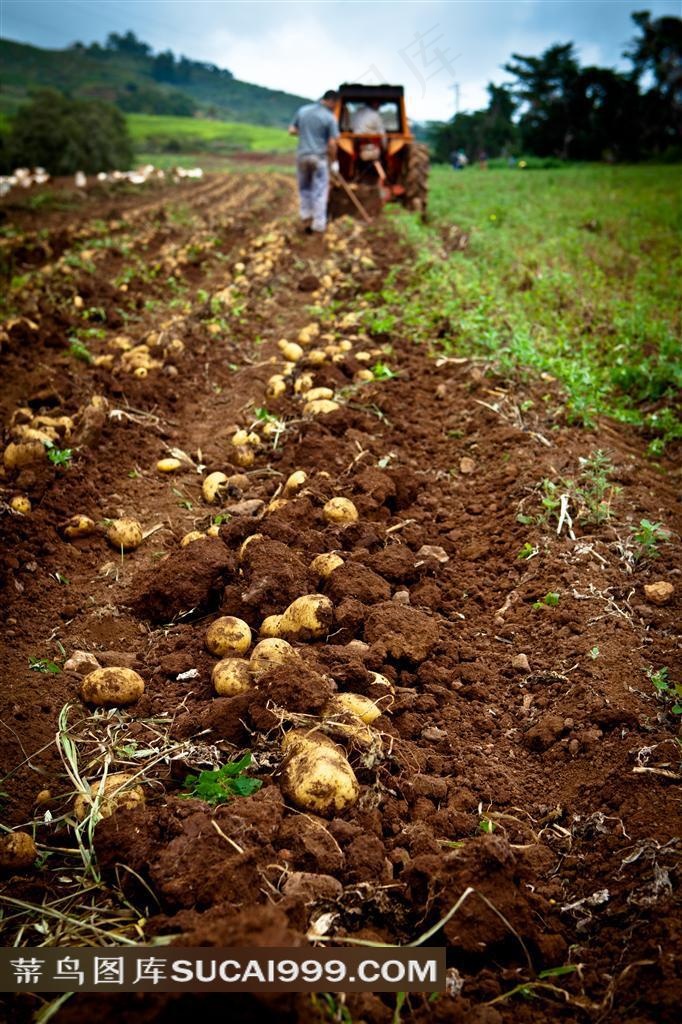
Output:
x=379 y=159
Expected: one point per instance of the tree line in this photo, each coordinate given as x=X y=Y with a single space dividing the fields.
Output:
x=553 y=107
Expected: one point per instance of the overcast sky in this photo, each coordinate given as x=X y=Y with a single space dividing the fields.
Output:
x=308 y=47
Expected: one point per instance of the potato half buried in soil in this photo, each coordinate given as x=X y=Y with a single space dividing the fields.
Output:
x=307 y=618
x=125 y=533
x=319 y=780
x=269 y=653
x=340 y=510
x=228 y=636
x=112 y=687
x=119 y=792
x=230 y=676
x=17 y=851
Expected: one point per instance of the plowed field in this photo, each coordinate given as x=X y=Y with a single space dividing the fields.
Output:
x=490 y=601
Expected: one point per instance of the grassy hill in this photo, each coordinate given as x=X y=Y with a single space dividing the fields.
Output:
x=154 y=134
x=140 y=83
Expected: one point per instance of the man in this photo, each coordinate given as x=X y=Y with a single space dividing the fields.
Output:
x=317 y=132
x=368 y=121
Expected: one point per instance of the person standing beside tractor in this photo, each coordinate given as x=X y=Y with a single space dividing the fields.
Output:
x=317 y=131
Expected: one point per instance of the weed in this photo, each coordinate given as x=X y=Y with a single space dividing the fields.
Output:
x=527 y=551
x=668 y=692
x=594 y=490
x=330 y=1009
x=381 y=371
x=594 y=653
x=222 y=784
x=58 y=456
x=550 y=600
x=487 y=825
x=44 y=665
x=647 y=539
x=80 y=350
x=61 y=579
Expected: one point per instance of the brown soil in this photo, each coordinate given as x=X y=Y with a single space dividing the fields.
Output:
x=550 y=786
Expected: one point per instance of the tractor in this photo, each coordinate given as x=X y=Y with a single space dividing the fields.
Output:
x=377 y=168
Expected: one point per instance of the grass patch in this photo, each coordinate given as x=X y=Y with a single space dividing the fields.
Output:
x=566 y=271
x=153 y=133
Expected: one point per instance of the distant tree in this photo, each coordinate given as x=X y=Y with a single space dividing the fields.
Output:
x=163 y=67
x=491 y=130
x=148 y=99
x=66 y=135
x=128 y=43
x=544 y=86
x=656 y=54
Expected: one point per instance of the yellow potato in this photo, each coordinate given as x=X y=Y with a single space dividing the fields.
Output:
x=269 y=653
x=20 y=504
x=169 y=465
x=249 y=540
x=243 y=456
x=26 y=433
x=340 y=510
x=296 y=741
x=125 y=533
x=290 y=350
x=320 y=407
x=325 y=564
x=17 y=851
x=230 y=676
x=272 y=428
x=120 y=792
x=239 y=438
x=295 y=482
x=228 y=636
x=307 y=618
x=213 y=484
x=253 y=439
x=316 y=356
x=270 y=627
x=319 y=781
x=213 y=530
x=276 y=386
x=363 y=357
x=18 y=455
x=112 y=687
x=308 y=333
x=345 y=346
x=379 y=680
x=355 y=704
x=79 y=526
x=276 y=504
x=315 y=394
x=363 y=375
x=303 y=384
x=141 y=371
x=190 y=537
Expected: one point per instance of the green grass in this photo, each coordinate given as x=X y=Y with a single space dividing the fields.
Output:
x=156 y=134
x=568 y=271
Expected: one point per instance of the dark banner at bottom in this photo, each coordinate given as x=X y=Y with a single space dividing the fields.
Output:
x=154 y=969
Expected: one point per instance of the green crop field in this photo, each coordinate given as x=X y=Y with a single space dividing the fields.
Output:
x=568 y=271
x=156 y=134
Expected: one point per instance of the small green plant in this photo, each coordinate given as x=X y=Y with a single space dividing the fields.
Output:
x=487 y=826
x=43 y=665
x=222 y=784
x=262 y=414
x=80 y=350
x=594 y=490
x=527 y=551
x=550 y=600
x=59 y=456
x=669 y=692
x=222 y=517
x=647 y=539
x=380 y=371
x=61 y=579
x=594 y=653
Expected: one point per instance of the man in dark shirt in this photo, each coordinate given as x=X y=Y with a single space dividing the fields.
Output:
x=317 y=132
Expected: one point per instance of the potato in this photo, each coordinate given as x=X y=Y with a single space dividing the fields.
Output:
x=307 y=618
x=213 y=484
x=228 y=636
x=141 y=372
x=20 y=504
x=296 y=741
x=125 y=533
x=324 y=565
x=303 y=384
x=320 y=407
x=363 y=357
x=239 y=438
x=315 y=394
x=169 y=465
x=290 y=350
x=230 y=676
x=112 y=687
x=249 y=540
x=270 y=652
x=243 y=456
x=79 y=526
x=18 y=455
x=106 y=361
x=345 y=346
x=380 y=680
x=17 y=851
x=272 y=428
x=24 y=433
x=190 y=537
x=276 y=386
x=295 y=482
x=363 y=375
x=252 y=438
x=320 y=781
x=340 y=510
x=355 y=704
x=308 y=333
x=270 y=627
x=119 y=792
x=276 y=504
x=213 y=530
x=316 y=357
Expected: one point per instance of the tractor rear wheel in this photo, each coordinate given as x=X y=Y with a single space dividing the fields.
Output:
x=416 y=177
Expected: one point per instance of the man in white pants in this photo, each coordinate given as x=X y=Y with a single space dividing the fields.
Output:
x=317 y=132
